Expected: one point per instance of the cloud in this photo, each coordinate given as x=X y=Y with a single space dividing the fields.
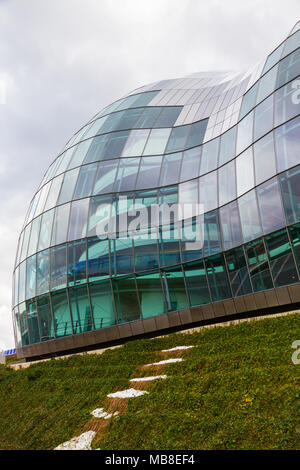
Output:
x=66 y=59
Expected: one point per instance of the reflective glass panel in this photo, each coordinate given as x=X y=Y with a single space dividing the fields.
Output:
x=208 y=191
x=231 y=226
x=249 y=216
x=264 y=158
x=270 y=206
x=80 y=309
x=98 y=258
x=157 y=141
x=78 y=219
x=209 y=159
x=67 y=188
x=174 y=288
x=45 y=318
x=258 y=265
x=227 y=183
x=76 y=262
x=126 y=300
x=127 y=173
x=105 y=177
x=196 y=283
x=58 y=266
x=227 y=146
x=244 y=134
x=135 y=143
x=217 y=278
x=290 y=191
x=170 y=169
x=85 y=181
x=281 y=259
x=190 y=166
x=263 y=120
x=60 y=224
x=102 y=304
x=238 y=272
x=287 y=144
x=149 y=172
x=61 y=314
x=151 y=294
x=42 y=272
x=244 y=172
x=178 y=138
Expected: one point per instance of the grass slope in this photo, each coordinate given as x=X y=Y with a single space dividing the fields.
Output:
x=238 y=389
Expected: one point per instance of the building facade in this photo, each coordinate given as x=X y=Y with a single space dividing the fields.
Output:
x=228 y=141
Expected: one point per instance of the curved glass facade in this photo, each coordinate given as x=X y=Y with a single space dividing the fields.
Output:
x=230 y=142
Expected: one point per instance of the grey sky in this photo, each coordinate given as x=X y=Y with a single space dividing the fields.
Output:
x=64 y=60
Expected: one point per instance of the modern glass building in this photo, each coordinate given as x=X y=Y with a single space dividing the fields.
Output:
x=230 y=141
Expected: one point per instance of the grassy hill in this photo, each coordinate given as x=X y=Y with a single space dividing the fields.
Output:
x=236 y=389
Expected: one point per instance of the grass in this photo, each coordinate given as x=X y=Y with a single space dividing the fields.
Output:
x=237 y=389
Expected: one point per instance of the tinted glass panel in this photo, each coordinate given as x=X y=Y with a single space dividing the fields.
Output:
x=61 y=314
x=105 y=177
x=244 y=172
x=227 y=183
x=58 y=267
x=217 y=278
x=196 y=283
x=209 y=160
x=249 y=216
x=258 y=266
x=102 y=304
x=264 y=158
x=288 y=144
x=151 y=294
x=281 y=259
x=80 y=309
x=290 y=191
x=76 y=264
x=263 y=120
x=157 y=141
x=231 y=227
x=238 y=272
x=178 y=138
x=270 y=206
x=98 y=258
x=85 y=181
x=126 y=300
x=78 y=219
x=190 y=166
x=244 y=134
x=174 y=288
x=227 y=146
x=149 y=172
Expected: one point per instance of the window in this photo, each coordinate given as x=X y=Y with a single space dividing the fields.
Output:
x=25 y=242
x=128 y=119
x=121 y=255
x=42 y=199
x=263 y=121
x=249 y=216
x=197 y=133
x=76 y=262
x=115 y=145
x=244 y=133
x=208 y=194
x=85 y=181
x=149 y=172
x=53 y=192
x=135 y=143
x=227 y=183
x=227 y=146
x=168 y=116
x=45 y=318
x=67 y=188
x=145 y=250
x=294 y=233
x=178 y=138
x=100 y=211
x=190 y=166
x=290 y=191
x=22 y=281
x=157 y=141
x=151 y=295
x=209 y=160
x=58 y=267
x=98 y=259
x=102 y=304
x=217 y=278
x=238 y=272
x=111 y=122
x=148 y=118
x=60 y=224
x=273 y=58
x=79 y=154
x=170 y=169
x=127 y=173
x=288 y=68
x=105 y=177
x=80 y=309
x=281 y=259
x=45 y=230
x=192 y=238
x=78 y=219
x=34 y=236
x=292 y=43
x=188 y=194
x=270 y=206
x=142 y=99
x=264 y=158
x=249 y=99
x=31 y=277
x=285 y=106
x=32 y=322
x=244 y=172
x=61 y=314
x=174 y=288
x=258 y=265
x=287 y=144
x=169 y=250
x=65 y=159
x=127 y=304
x=231 y=226
x=97 y=148
x=267 y=84
x=212 y=234
x=196 y=282
x=42 y=272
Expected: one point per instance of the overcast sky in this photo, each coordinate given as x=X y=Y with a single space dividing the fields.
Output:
x=64 y=60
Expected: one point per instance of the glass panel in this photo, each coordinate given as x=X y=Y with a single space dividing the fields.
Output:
x=45 y=318
x=292 y=43
x=58 y=267
x=145 y=250
x=151 y=294
x=79 y=154
x=270 y=206
x=76 y=264
x=34 y=236
x=197 y=133
x=212 y=233
x=95 y=128
x=97 y=148
x=145 y=199
x=85 y=181
x=263 y=121
x=244 y=134
x=192 y=238
x=127 y=173
x=60 y=224
x=258 y=265
x=23 y=325
x=42 y=199
x=98 y=259
x=188 y=193
x=32 y=322
x=46 y=229
x=126 y=300
x=190 y=166
x=157 y=141
x=68 y=186
x=288 y=69
x=227 y=146
x=53 y=192
x=102 y=304
x=128 y=119
x=64 y=161
x=61 y=314
x=249 y=99
x=290 y=191
x=25 y=242
x=149 y=172
x=227 y=183
x=231 y=227
x=281 y=259
x=115 y=144
x=209 y=160
x=175 y=293
x=196 y=283
x=100 y=210
x=178 y=138
x=288 y=145
x=267 y=84
x=105 y=177
x=208 y=192
x=264 y=158
x=285 y=106
x=273 y=58
x=148 y=118
x=78 y=219
x=250 y=221
x=22 y=280
x=30 y=277
x=294 y=233
x=169 y=250
x=42 y=272
x=168 y=116
x=244 y=172
x=121 y=256
x=170 y=169
x=80 y=309
x=217 y=278
x=238 y=272
x=135 y=143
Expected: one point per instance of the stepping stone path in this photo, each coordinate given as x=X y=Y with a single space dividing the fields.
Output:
x=84 y=441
